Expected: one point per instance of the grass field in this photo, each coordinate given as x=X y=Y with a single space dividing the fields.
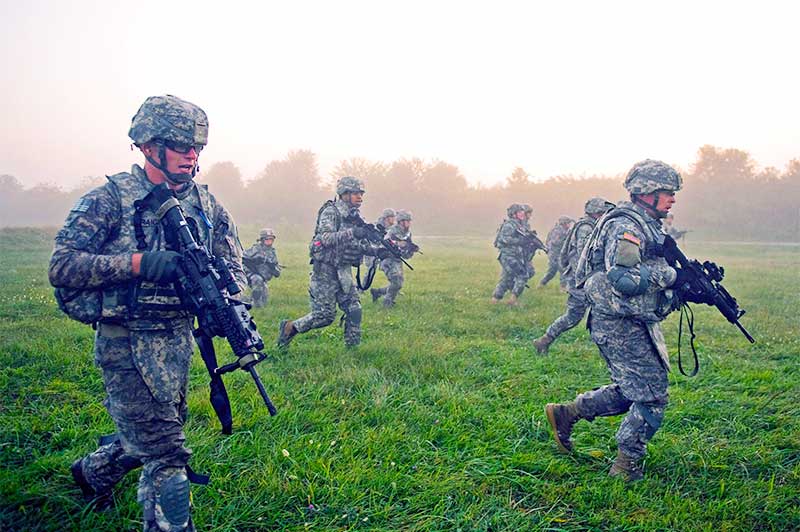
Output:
x=435 y=423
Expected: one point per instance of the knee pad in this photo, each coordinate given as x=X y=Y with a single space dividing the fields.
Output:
x=172 y=503
x=354 y=315
x=652 y=414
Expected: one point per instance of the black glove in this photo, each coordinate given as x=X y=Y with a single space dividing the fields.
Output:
x=359 y=232
x=159 y=266
x=683 y=277
x=384 y=253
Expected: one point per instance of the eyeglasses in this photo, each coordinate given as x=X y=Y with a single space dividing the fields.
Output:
x=178 y=147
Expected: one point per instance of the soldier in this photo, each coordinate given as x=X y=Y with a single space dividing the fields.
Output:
x=112 y=267
x=516 y=253
x=386 y=219
x=626 y=282
x=261 y=265
x=555 y=239
x=568 y=260
x=337 y=246
x=400 y=234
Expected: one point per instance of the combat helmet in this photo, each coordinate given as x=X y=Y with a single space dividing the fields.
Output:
x=348 y=184
x=597 y=205
x=387 y=213
x=403 y=216
x=168 y=119
x=513 y=209
x=266 y=233
x=650 y=175
x=563 y=220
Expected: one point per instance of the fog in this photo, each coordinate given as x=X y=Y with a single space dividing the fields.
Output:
x=726 y=195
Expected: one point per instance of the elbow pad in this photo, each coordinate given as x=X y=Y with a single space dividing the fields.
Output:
x=623 y=280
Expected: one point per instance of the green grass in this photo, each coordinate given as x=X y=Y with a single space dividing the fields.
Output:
x=435 y=423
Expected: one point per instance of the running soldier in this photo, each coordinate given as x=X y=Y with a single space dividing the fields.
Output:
x=337 y=247
x=555 y=240
x=626 y=282
x=568 y=261
x=261 y=265
x=514 y=240
x=400 y=234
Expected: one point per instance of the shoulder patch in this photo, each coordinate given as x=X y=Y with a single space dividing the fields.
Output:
x=82 y=205
x=630 y=237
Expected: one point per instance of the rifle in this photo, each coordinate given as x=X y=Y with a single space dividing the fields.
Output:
x=532 y=241
x=704 y=286
x=377 y=236
x=205 y=285
x=413 y=247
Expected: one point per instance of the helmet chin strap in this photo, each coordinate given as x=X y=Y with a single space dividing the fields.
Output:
x=650 y=206
x=175 y=179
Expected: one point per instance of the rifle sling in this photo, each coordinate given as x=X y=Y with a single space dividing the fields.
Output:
x=217 y=393
x=687 y=311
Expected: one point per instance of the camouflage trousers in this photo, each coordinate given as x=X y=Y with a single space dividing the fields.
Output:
x=514 y=276
x=260 y=290
x=330 y=285
x=394 y=273
x=576 y=309
x=145 y=374
x=552 y=269
x=639 y=383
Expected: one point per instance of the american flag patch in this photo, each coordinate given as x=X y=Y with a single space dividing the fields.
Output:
x=82 y=205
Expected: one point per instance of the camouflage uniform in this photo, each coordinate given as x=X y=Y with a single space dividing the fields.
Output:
x=144 y=342
x=393 y=267
x=334 y=253
x=515 y=258
x=266 y=267
x=381 y=222
x=555 y=240
x=568 y=260
x=628 y=289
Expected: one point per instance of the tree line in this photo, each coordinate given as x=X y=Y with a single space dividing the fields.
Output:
x=726 y=196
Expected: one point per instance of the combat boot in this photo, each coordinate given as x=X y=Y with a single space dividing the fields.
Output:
x=562 y=417
x=542 y=344
x=286 y=332
x=99 y=500
x=375 y=293
x=626 y=467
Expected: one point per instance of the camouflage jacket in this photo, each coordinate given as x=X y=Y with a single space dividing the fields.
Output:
x=510 y=239
x=401 y=237
x=573 y=245
x=333 y=241
x=630 y=277
x=91 y=261
x=555 y=239
x=261 y=259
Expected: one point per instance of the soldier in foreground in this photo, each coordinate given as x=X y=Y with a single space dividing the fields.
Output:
x=516 y=253
x=568 y=261
x=400 y=234
x=338 y=245
x=555 y=240
x=261 y=265
x=112 y=267
x=627 y=281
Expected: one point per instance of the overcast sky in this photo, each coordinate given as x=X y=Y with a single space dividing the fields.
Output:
x=554 y=87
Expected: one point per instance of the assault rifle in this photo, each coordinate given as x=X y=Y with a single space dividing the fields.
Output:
x=205 y=285
x=531 y=241
x=253 y=263
x=377 y=235
x=704 y=286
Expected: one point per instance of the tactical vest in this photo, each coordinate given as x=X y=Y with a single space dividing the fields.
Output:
x=568 y=249
x=592 y=257
x=342 y=255
x=140 y=231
